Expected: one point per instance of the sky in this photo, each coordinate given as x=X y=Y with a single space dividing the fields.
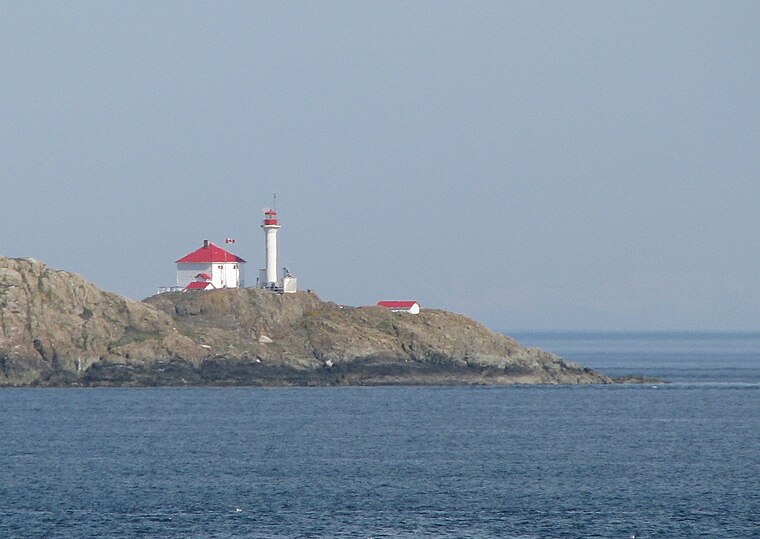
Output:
x=534 y=165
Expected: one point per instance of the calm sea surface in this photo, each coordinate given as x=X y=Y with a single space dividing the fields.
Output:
x=674 y=460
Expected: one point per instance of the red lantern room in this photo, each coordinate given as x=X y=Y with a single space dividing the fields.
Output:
x=270 y=218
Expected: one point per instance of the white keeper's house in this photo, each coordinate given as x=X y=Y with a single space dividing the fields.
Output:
x=212 y=265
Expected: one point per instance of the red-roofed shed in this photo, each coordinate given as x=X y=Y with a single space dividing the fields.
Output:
x=411 y=307
x=199 y=285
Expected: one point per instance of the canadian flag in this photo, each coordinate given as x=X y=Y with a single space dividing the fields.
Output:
x=229 y=240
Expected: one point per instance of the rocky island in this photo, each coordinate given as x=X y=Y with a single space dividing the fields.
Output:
x=57 y=329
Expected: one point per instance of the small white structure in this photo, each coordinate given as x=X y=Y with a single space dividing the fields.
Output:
x=289 y=283
x=411 y=307
x=268 y=275
x=202 y=282
x=211 y=265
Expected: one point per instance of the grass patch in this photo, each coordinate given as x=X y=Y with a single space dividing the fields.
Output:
x=132 y=335
x=186 y=331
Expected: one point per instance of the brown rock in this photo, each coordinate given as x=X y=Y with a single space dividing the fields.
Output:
x=58 y=329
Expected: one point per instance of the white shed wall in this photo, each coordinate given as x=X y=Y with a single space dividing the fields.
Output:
x=289 y=285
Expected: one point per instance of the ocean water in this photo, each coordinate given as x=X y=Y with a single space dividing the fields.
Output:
x=709 y=358
x=663 y=460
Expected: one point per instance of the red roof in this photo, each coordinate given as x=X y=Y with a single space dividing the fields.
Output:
x=205 y=276
x=397 y=304
x=210 y=254
x=198 y=285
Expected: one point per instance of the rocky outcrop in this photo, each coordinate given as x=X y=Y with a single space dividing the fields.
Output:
x=55 y=325
x=58 y=329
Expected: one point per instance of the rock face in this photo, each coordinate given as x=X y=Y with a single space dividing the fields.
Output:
x=58 y=329
x=54 y=326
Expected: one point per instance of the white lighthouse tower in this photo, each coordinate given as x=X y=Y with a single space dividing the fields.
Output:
x=268 y=276
x=271 y=226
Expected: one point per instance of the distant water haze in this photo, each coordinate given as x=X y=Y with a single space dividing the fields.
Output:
x=535 y=165
x=681 y=357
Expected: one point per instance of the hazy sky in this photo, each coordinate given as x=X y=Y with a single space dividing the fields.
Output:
x=536 y=165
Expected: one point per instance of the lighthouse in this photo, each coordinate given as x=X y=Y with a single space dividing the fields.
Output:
x=271 y=226
x=268 y=275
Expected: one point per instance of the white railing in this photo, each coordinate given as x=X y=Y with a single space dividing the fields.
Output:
x=165 y=289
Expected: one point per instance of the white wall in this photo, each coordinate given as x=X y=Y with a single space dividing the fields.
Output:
x=227 y=274
x=223 y=274
x=289 y=285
